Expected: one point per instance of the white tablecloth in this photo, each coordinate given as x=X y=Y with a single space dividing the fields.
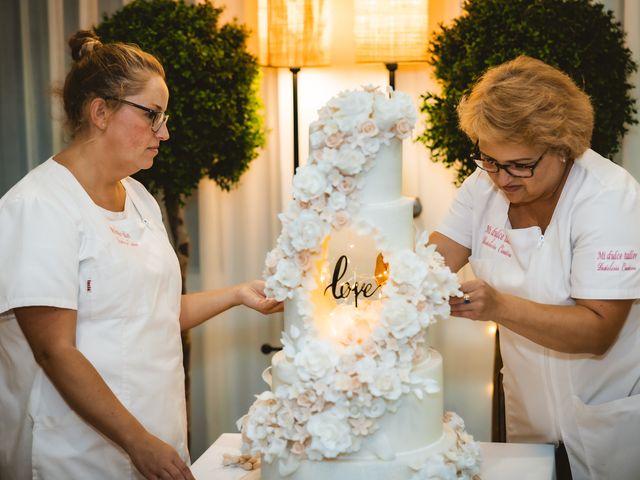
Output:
x=500 y=461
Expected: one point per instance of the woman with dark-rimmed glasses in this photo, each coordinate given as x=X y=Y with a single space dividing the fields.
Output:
x=91 y=375
x=552 y=232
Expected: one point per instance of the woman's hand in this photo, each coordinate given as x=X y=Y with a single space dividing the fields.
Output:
x=480 y=301
x=252 y=295
x=156 y=459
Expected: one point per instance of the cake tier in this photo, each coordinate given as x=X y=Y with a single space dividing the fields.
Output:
x=409 y=436
x=383 y=181
x=349 y=468
x=393 y=223
x=416 y=424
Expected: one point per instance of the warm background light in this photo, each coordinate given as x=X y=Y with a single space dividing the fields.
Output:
x=298 y=33
x=492 y=328
x=391 y=31
x=490 y=389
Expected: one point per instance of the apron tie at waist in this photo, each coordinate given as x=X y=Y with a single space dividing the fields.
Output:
x=563 y=469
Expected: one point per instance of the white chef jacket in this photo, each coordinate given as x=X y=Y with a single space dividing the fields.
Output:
x=119 y=272
x=590 y=250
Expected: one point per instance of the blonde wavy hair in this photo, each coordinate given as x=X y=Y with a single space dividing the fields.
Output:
x=529 y=102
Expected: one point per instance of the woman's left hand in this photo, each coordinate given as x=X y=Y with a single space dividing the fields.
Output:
x=480 y=301
x=252 y=295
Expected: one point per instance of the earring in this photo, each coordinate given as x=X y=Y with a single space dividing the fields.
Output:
x=563 y=160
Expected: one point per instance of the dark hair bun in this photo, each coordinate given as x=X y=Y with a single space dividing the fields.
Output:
x=82 y=43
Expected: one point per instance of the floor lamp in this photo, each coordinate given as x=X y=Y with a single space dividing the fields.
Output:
x=296 y=37
x=392 y=31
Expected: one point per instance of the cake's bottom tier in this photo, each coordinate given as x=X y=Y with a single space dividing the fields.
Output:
x=349 y=468
x=406 y=439
x=416 y=422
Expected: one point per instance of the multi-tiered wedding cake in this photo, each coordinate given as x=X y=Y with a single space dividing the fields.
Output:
x=356 y=393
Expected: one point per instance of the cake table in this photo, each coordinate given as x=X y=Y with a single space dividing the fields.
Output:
x=500 y=461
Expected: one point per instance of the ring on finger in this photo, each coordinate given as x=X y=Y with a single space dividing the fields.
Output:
x=466 y=298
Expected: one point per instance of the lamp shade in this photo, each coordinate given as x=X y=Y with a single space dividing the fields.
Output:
x=391 y=31
x=297 y=33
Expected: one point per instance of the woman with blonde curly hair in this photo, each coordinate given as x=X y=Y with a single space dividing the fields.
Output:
x=551 y=231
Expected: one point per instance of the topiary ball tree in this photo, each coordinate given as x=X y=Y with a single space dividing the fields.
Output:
x=576 y=36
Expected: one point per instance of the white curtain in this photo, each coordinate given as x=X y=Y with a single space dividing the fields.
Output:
x=236 y=231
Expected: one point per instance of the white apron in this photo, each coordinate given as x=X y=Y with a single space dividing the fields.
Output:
x=590 y=403
x=127 y=327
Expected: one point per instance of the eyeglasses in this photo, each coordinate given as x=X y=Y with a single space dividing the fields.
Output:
x=513 y=169
x=158 y=119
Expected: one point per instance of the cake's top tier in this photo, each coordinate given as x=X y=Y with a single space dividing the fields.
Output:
x=358 y=135
x=383 y=181
x=354 y=164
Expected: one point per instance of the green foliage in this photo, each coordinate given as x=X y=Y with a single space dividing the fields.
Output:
x=215 y=126
x=577 y=36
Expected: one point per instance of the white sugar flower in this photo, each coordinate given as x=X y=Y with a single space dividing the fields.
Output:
x=340 y=219
x=330 y=127
x=436 y=467
x=369 y=145
x=334 y=140
x=307 y=231
x=334 y=176
x=330 y=435
x=342 y=381
x=287 y=373
x=377 y=408
x=285 y=418
x=349 y=160
x=324 y=113
x=388 y=358
x=309 y=182
x=407 y=267
x=454 y=421
x=291 y=212
x=362 y=426
x=316 y=125
x=386 y=383
x=346 y=184
x=315 y=359
x=273 y=257
x=403 y=129
x=365 y=367
x=386 y=112
x=288 y=273
x=274 y=289
x=316 y=139
x=337 y=200
x=352 y=109
x=404 y=104
x=307 y=398
x=400 y=317
x=368 y=128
